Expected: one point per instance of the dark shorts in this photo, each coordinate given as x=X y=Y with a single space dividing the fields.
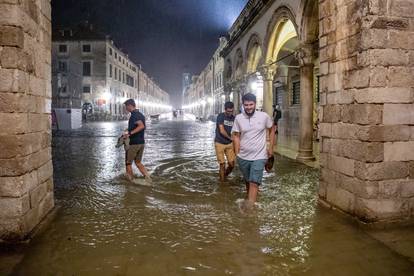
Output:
x=252 y=170
x=134 y=153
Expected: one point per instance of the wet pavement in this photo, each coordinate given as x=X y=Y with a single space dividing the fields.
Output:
x=186 y=222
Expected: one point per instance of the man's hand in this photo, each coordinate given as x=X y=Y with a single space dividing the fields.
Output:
x=270 y=152
x=125 y=134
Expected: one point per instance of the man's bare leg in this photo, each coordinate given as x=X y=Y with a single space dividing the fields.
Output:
x=129 y=172
x=229 y=168
x=252 y=193
x=247 y=189
x=222 y=171
x=142 y=169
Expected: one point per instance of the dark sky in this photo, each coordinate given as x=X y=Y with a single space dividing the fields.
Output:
x=167 y=37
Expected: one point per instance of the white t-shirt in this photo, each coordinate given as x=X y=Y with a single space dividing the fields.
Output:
x=252 y=134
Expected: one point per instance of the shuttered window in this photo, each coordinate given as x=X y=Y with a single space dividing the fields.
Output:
x=296 y=92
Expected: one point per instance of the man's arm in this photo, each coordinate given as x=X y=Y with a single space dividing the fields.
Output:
x=223 y=131
x=139 y=128
x=236 y=142
x=271 y=131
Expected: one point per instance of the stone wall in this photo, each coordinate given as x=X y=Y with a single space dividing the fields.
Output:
x=26 y=184
x=367 y=129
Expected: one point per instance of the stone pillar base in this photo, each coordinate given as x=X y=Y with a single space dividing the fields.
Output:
x=305 y=155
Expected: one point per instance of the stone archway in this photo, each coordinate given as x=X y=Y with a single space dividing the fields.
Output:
x=254 y=56
x=254 y=61
x=238 y=77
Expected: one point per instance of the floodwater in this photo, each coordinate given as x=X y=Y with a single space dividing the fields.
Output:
x=186 y=222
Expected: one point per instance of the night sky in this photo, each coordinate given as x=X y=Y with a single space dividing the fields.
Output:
x=167 y=37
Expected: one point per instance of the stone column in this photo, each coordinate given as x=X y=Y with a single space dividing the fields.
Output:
x=236 y=101
x=367 y=124
x=305 y=56
x=267 y=74
x=26 y=183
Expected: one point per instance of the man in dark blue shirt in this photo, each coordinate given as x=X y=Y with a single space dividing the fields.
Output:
x=136 y=131
x=223 y=142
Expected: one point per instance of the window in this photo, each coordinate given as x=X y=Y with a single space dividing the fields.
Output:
x=86 y=48
x=123 y=61
x=296 y=92
x=86 y=89
x=116 y=55
x=63 y=88
x=119 y=75
x=87 y=68
x=63 y=66
x=110 y=51
x=278 y=98
x=116 y=73
x=63 y=48
x=129 y=80
x=119 y=58
x=123 y=77
x=110 y=70
x=318 y=90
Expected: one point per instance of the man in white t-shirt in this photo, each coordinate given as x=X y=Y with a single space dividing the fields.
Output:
x=249 y=131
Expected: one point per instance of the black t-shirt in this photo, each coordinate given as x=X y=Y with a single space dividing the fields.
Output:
x=136 y=138
x=227 y=122
x=277 y=114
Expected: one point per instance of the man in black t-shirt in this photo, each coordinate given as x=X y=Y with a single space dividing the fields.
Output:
x=223 y=142
x=136 y=131
x=277 y=115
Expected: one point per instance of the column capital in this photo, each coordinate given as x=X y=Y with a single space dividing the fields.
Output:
x=267 y=72
x=305 y=54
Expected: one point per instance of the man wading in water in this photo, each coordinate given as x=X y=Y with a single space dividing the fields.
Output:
x=249 y=139
x=223 y=142
x=136 y=130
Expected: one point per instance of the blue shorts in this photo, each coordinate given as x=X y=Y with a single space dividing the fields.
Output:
x=252 y=170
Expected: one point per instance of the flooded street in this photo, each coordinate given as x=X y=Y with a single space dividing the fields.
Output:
x=187 y=223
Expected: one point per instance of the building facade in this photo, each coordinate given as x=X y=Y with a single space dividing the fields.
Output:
x=218 y=82
x=90 y=72
x=205 y=97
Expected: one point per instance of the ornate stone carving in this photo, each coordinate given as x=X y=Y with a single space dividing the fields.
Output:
x=305 y=54
x=267 y=72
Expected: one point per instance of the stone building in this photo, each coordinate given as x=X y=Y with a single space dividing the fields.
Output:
x=89 y=71
x=151 y=98
x=218 y=82
x=205 y=97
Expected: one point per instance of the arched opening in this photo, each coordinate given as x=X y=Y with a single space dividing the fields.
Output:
x=239 y=86
x=281 y=54
x=254 y=77
x=295 y=88
x=238 y=72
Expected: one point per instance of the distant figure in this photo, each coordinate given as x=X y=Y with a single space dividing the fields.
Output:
x=249 y=139
x=223 y=142
x=277 y=115
x=135 y=133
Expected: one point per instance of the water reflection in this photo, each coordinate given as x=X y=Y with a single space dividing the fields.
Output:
x=186 y=223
